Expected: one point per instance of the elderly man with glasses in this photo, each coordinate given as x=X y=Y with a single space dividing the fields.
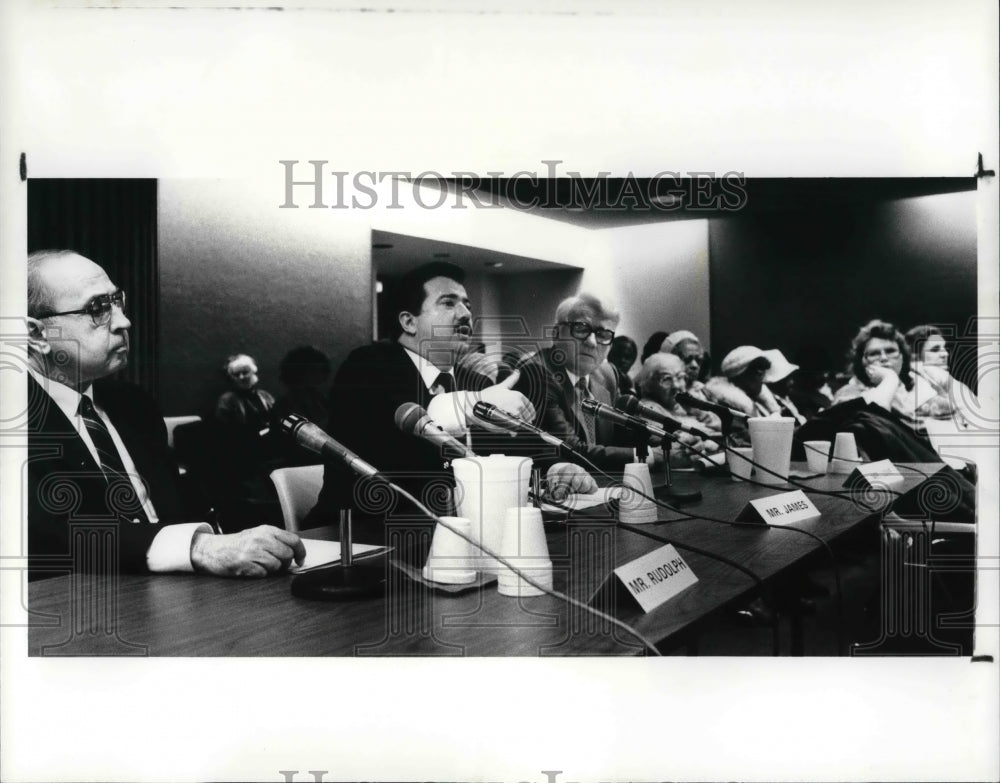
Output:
x=99 y=469
x=558 y=379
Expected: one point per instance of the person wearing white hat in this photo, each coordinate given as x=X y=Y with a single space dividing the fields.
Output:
x=778 y=379
x=686 y=346
x=741 y=386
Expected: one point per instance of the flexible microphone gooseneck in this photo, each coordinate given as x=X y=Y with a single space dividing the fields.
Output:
x=722 y=411
x=323 y=444
x=629 y=421
x=413 y=419
x=633 y=406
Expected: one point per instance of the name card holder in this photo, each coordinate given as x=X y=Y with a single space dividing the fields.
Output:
x=874 y=475
x=647 y=581
x=780 y=509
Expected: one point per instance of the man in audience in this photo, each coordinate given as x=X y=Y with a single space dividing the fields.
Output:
x=98 y=451
x=433 y=326
x=558 y=379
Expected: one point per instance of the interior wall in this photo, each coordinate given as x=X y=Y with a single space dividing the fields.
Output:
x=527 y=301
x=658 y=274
x=238 y=274
x=805 y=280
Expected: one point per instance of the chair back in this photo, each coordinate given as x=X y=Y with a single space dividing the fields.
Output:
x=173 y=422
x=298 y=490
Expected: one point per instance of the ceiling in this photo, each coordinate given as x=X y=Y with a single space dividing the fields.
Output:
x=612 y=203
x=407 y=252
x=619 y=202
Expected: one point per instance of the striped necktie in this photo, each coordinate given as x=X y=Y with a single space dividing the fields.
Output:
x=589 y=425
x=123 y=499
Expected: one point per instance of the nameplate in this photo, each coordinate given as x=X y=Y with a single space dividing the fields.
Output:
x=874 y=474
x=656 y=577
x=780 y=509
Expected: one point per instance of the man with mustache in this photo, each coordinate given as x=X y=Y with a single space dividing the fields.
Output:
x=98 y=462
x=433 y=325
x=559 y=378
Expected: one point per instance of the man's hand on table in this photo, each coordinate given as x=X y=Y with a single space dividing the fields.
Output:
x=256 y=552
x=565 y=478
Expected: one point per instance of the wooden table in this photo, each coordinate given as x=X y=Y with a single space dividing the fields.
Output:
x=196 y=615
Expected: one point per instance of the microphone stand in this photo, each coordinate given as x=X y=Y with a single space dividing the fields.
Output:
x=350 y=580
x=668 y=492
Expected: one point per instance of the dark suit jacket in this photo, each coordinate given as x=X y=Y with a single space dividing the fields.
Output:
x=370 y=385
x=66 y=485
x=546 y=383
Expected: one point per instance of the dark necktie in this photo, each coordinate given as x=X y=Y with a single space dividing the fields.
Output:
x=589 y=425
x=446 y=382
x=123 y=499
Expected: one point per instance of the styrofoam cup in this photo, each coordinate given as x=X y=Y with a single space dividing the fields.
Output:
x=524 y=546
x=633 y=508
x=771 y=438
x=449 y=560
x=845 y=454
x=817 y=455
x=740 y=461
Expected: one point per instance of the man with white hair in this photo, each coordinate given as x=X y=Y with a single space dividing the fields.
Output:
x=99 y=469
x=558 y=379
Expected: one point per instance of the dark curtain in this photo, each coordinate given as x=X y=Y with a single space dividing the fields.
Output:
x=112 y=222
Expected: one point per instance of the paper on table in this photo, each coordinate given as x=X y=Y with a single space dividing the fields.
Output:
x=579 y=502
x=320 y=553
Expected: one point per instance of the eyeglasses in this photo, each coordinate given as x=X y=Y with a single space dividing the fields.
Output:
x=663 y=377
x=878 y=353
x=581 y=330
x=98 y=308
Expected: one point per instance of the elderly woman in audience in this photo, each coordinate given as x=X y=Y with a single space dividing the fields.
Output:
x=687 y=347
x=659 y=380
x=880 y=363
x=936 y=393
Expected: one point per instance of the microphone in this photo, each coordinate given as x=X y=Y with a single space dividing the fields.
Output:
x=633 y=406
x=606 y=412
x=412 y=419
x=494 y=415
x=311 y=437
x=719 y=410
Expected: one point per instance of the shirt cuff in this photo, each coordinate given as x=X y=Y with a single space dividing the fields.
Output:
x=171 y=549
x=449 y=410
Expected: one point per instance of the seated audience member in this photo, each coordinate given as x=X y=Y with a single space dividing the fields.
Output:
x=687 y=347
x=558 y=379
x=741 y=386
x=880 y=366
x=936 y=392
x=245 y=449
x=433 y=325
x=780 y=379
x=808 y=389
x=621 y=357
x=659 y=379
x=246 y=405
x=652 y=345
x=305 y=372
x=98 y=448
